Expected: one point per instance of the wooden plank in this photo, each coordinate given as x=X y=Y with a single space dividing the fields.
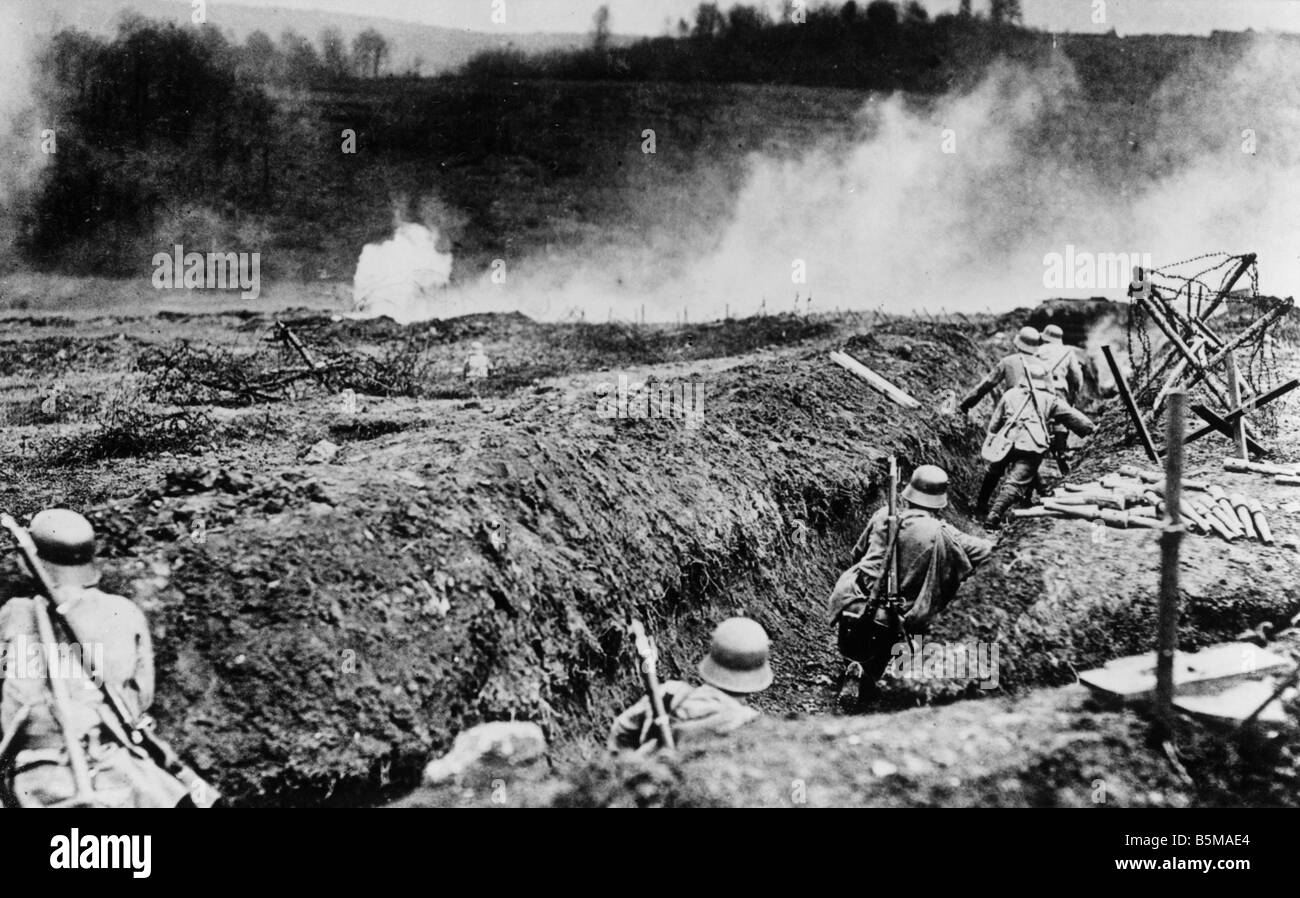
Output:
x=853 y=366
x=1127 y=396
x=1237 y=703
x=1194 y=673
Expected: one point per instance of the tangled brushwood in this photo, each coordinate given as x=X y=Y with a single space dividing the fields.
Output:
x=126 y=427
x=184 y=374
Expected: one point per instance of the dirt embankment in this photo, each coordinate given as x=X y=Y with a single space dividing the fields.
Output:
x=324 y=627
x=465 y=561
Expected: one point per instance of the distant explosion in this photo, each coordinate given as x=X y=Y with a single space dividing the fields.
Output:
x=401 y=276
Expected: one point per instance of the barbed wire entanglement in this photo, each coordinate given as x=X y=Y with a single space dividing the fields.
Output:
x=1170 y=314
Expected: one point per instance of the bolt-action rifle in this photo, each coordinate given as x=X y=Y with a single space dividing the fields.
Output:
x=645 y=648
x=138 y=732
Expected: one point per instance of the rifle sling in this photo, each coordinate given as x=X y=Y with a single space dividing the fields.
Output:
x=111 y=714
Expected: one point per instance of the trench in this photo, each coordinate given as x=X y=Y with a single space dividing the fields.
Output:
x=495 y=580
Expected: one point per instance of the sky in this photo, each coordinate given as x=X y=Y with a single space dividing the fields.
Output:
x=652 y=16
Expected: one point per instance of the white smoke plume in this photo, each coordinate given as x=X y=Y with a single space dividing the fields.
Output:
x=1210 y=163
x=402 y=277
x=897 y=224
x=20 y=156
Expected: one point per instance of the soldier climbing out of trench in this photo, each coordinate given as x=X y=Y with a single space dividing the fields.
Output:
x=911 y=564
x=1022 y=421
x=737 y=665
x=1066 y=377
x=1062 y=363
x=1010 y=371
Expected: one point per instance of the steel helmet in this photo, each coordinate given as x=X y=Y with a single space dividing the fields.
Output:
x=476 y=346
x=737 y=659
x=1028 y=340
x=65 y=541
x=1053 y=334
x=928 y=487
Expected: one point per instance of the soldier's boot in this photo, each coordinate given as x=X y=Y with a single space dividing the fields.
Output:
x=1008 y=496
x=850 y=688
x=987 y=486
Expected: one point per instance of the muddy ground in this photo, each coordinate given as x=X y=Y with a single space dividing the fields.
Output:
x=326 y=623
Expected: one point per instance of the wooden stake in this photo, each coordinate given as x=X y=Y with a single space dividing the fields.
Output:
x=1167 y=630
x=1246 y=261
x=1127 y=396
x=1234 y=393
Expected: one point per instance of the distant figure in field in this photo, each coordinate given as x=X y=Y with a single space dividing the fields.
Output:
x=478 y=366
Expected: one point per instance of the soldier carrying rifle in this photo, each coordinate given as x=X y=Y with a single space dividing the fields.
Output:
x=910 y=564
x=737 y=665
x=74 y=723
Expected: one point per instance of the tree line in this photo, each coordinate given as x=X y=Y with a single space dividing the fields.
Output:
x=880 y=45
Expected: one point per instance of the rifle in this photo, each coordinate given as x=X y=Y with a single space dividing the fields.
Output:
x=139 y=733
x=62 y=708
x=888 y=581
x=1046 y=425
x=645 y=648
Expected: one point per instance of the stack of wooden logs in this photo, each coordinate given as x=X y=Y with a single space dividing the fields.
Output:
x=1134 y=498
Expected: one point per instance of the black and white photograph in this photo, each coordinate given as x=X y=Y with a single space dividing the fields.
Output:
x=437 y=404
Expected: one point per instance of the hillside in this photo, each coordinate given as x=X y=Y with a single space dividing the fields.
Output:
x=436 y=49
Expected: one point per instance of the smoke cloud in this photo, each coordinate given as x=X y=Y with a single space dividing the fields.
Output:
x=959 y=204
x=20 y=156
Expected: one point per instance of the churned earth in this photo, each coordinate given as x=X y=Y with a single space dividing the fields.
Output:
x=338 y=585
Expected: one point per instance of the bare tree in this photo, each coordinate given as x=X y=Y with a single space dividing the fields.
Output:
x=334 y=53
x=600 y=30
x=1005 y=12
x=369 y=50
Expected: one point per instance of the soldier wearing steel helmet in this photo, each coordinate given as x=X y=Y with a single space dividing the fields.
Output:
x=1062 y=364
x=1030 y=417
x=933 y=558
x=121 y=654
x=1010 y=370
x=737 y=665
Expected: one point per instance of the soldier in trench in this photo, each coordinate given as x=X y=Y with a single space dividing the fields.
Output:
x=737 y=665
x=1028 y=418
x=1010 y=371
x=40 y=773
x=933 y=558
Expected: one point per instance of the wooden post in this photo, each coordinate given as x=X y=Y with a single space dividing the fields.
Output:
x=1167 y=628
x=1136 y=416
x=1246 y=261
x=1234 y=393
x=1260 y=325
x=291 y=338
